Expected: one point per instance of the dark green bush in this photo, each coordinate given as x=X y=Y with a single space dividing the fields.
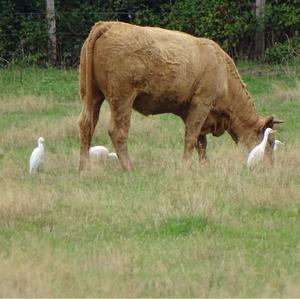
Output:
x=23 y=31
x=23 y=27
x=278 y=53
x=283 y=52
x=230 y=23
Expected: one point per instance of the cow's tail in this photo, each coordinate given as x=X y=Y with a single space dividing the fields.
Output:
x=98 y=29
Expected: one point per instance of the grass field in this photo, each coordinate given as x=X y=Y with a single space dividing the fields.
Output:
x=161 y=230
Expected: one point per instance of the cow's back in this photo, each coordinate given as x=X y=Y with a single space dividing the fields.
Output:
x=165 y=67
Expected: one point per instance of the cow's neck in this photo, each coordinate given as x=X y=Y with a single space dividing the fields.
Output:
x=245 y=123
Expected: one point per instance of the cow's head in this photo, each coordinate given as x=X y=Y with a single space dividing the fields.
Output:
x=251 y=135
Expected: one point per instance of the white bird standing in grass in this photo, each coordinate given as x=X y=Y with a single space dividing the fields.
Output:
x=257 y=154
x=98 y=151
x=113 y=156
x=276 y=143
x=37 y=156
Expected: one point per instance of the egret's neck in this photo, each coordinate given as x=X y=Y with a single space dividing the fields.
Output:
x=265 y=139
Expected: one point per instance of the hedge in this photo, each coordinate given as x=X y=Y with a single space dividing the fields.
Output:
x=23 y=27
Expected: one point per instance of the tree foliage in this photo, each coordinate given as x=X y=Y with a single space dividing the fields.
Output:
x=23 y=27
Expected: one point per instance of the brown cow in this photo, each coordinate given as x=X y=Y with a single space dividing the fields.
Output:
x=153 y=71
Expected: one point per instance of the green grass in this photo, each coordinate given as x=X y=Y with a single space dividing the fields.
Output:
x=160 y=231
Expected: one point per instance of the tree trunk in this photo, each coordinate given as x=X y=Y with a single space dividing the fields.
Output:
x=51 y=31
x=260 y=30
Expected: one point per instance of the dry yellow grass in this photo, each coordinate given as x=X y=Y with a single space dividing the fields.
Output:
x=25 y=103
x=19 y=201
x=283 y=92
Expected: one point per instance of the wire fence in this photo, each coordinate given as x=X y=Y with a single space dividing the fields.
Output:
x=70 y=12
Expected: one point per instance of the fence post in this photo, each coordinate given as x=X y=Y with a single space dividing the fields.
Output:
x=51 y=30
x=260 y=30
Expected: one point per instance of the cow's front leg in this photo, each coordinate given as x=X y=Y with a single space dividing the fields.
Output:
x=196 y=116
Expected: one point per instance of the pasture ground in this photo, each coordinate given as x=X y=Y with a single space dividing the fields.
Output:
x=161 y=230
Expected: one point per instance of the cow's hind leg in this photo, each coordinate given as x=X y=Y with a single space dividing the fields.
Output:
x=87 y=124
x=121 y=109
x=197 y=114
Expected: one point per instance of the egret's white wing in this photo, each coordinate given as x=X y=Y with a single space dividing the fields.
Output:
x=255 y=156
x=36 y=158
x=33 y=160
x=98 y=150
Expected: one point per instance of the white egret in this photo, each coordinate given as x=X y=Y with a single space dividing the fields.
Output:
x=113 y=156
x=98 y=151
x=37 y=156
x=276 y=143
x=257 y=154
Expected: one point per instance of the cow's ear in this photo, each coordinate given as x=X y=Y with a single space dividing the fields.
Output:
x=270 y=121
